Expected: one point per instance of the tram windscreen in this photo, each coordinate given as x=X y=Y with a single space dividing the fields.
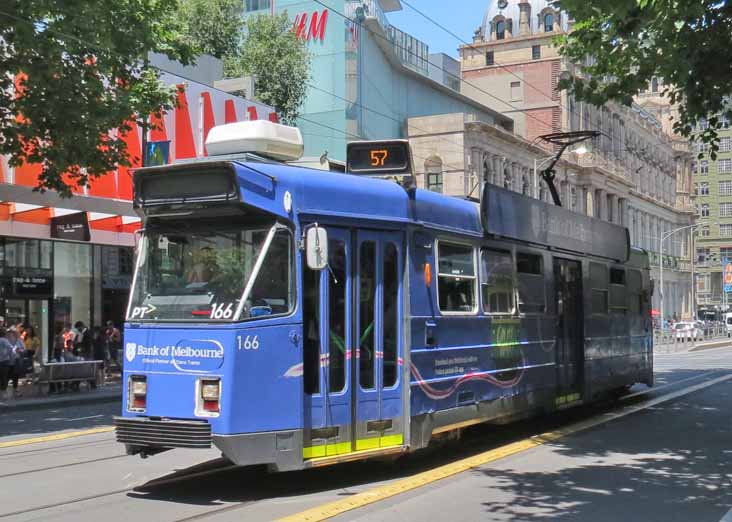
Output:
x=201 y=274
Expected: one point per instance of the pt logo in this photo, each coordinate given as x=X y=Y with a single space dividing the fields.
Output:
x=130 y=351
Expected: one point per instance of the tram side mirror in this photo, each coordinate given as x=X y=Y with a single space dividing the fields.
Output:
x=316 y=248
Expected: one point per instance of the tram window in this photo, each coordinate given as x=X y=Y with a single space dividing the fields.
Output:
x=391 y=314
x=530 y=283
x=337 y=316
x=528 y=263
x=273 y=288
x=311 y=327
x=456 y=278
x=367 y=302
x=618 y=302
x=635 y=291
x=598 y=283
x=496 y=278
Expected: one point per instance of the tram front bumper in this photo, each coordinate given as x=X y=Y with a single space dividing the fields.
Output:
x=281 y=450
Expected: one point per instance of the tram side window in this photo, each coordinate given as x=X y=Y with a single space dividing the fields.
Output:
x=635 y=291
x=367 y=298
x=311 y=327
x=530 y=278
x=496 y=278
x=618 y=302
x=598 y=283
x=337 y=315
x=456 y=278
x=391 y=314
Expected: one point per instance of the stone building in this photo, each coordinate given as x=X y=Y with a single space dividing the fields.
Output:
x=634 y=174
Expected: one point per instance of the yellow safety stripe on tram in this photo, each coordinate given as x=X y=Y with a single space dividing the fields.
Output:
x=344 y=448
x=55 y=437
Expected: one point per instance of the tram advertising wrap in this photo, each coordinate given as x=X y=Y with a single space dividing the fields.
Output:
x=298 y=318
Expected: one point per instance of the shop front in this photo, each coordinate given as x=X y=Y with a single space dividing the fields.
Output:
x=51 y=284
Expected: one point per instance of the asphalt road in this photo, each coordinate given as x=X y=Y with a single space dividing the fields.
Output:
x=661 y=455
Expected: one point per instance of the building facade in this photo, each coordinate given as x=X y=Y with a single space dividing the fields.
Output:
x=367 y=76
x=68 y=260
x=634 y=174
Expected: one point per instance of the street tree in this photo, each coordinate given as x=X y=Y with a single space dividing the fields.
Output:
x=278 y=60
x=213 y=27
x=73 y=72
x=624 y=44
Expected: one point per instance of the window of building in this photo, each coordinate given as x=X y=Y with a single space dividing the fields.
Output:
x=724 y=166
x=703 y=124
x=724 y=121
x=433 y=174
x=548 y=23
x=535 y=52
x=256 y=5
x=515 y=91
x=489 y=58
x=500 y=30
x=725 y=144
x=725 y=210
x=598 y=283
x=725 y=229
x=530 y=283
x=704 y=167
x=496 y=281
x=702 y=254
x=702 y=283
x=704 y=210
x=701 y=147
x=694 y=166
x=705 y=232
x=725 y=188
x=725 y=253
x=654 y=84
x=704 y=189
x=456 y=278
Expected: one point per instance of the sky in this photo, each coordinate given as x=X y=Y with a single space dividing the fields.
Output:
x=462 y=17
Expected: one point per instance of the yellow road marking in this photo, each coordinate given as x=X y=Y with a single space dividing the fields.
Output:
x=379 y=493
x=55 y=437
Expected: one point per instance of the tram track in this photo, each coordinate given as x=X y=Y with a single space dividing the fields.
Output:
x=59 y=466
x=56 y=449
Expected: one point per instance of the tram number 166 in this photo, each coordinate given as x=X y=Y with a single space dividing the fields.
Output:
x=250 y=342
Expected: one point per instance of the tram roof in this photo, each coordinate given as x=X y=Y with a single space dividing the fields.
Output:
x=347 y=196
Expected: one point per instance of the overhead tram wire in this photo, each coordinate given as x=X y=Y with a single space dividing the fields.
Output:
x=438 y=67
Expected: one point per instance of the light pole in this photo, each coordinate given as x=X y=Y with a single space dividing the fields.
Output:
x=660 y=260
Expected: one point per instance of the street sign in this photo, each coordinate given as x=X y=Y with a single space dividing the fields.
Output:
x=727 y=277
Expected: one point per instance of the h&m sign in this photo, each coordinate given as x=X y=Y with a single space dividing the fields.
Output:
x=315 y=29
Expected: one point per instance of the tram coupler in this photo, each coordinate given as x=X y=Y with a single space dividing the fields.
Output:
x=143 y=451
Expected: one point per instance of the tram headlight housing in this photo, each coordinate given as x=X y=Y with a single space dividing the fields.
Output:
x=208 y=397
x=137 y=393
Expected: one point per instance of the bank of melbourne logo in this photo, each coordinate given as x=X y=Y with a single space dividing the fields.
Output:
x=130 y=351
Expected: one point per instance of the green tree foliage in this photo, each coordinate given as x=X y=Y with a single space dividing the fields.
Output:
x=79 y=66
x=213 y=27
x=686 y=43
x=279 y=62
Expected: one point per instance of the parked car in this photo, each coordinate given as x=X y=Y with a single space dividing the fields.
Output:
x=688 y=330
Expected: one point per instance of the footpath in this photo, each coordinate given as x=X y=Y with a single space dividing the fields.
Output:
x=32 y=397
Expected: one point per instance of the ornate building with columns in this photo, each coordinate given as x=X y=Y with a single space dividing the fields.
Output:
x=634 y=174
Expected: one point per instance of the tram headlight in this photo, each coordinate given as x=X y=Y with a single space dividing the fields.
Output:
x=137 y=393
x=210 y=396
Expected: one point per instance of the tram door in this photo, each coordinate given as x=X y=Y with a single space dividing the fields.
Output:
x=570 y=358
x=351 y=359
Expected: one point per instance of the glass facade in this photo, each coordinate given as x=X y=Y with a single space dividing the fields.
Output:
x=52 y=284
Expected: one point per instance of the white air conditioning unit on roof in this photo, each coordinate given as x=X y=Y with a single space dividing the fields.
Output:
x=263 y=137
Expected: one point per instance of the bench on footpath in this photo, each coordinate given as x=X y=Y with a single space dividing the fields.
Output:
x=76 y=371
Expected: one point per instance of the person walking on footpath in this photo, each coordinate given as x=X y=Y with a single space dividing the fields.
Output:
x=6 y=356
x=114 y=342
x=17 y=368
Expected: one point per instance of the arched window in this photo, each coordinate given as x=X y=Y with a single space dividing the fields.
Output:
x=548 y=22
x=433 y=174
x=500 y=30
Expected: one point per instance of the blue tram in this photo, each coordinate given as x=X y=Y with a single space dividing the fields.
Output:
x=295 y=318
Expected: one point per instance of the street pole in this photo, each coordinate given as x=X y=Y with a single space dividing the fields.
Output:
x=660 y=261
x=692 y=233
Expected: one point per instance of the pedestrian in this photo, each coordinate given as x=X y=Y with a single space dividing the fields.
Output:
x=6 y=355
x=83 y=341
x=99 y=346
x=32 y=343
x=114 y=341
x=18 y=359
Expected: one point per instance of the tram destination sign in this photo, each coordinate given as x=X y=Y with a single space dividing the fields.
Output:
x=379 y=157
x=509 y=214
